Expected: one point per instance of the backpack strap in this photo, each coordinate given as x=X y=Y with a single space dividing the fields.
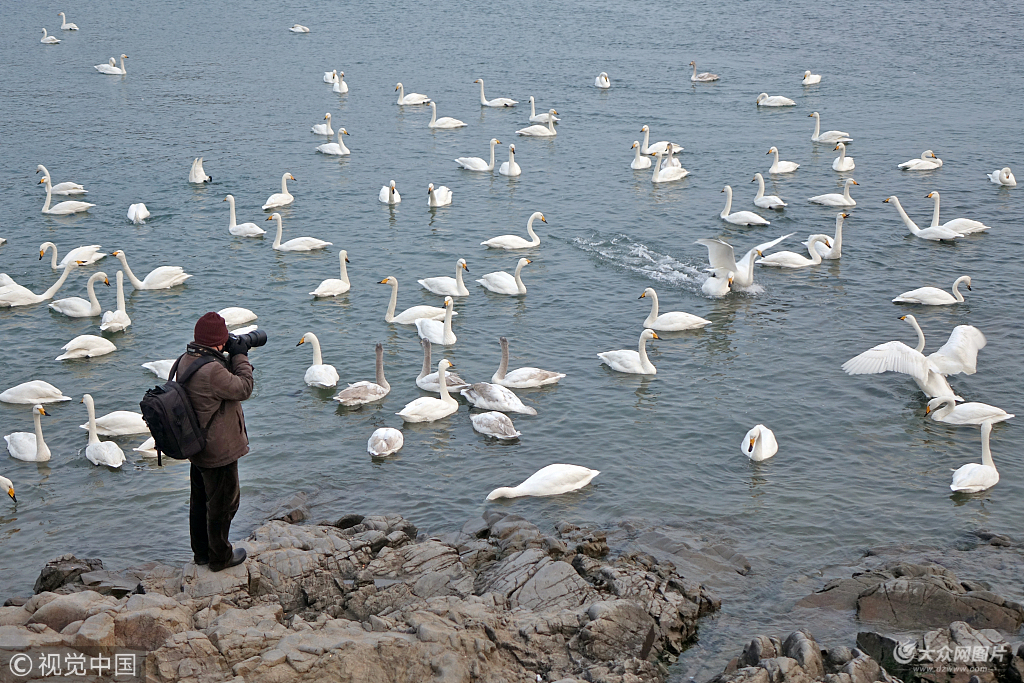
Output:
x=191 y=370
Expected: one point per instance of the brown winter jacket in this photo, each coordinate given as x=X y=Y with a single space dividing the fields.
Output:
x=217 y=394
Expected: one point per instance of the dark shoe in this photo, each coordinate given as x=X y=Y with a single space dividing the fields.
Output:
x=200 y=560
x=237 y=558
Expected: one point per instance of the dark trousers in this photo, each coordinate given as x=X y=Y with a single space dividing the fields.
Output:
x=212 y=506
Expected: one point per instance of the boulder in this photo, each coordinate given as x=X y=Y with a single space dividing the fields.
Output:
x=64 y=570
x=65 y=609
x=145 y=622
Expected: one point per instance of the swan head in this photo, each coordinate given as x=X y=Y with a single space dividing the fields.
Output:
x=449 y=302
x=462 y=263
x=762 y=96
x=888 y=199
x=648 y=292
x=841 y=216
x=693 y=63
x=937 y=402
x=291 y=177
x=229 y=198
x=649 y=334
x=512 y=149
x=344 y=255
x=44 y=179
x=273 y=216
x=603 y=74
x=814 y=114
x=807 y=73
x=930 y=195
x=645 y=129
x=327 y=116
x=341 y=74
x=552 y=112
x=539 y=215
x=391 y=185
x=8 y=486
x=966 y=279
x=124 y=56
x=909 y=318
x=39 y=409
x=851 y=181
x=389 y=280
x=398 y=86
x=443 y=364
x=495 y=141
x=523 y=262
x=636 y=143
x=838 y=146
x=929 y=153
x=773 y=150
x=727 y=189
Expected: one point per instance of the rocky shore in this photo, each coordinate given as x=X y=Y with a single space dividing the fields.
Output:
x=370 y=599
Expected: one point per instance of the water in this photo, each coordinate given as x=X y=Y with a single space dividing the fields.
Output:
x=859 y=465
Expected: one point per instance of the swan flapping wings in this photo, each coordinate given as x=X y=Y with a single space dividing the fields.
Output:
x=958 y=355
x=960 y=352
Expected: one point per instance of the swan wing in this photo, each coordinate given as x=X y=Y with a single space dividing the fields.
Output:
x=500 y=282
x=361 y=392
x=894 y=356
x=960 y=353
x=974 y=413
x=495 y=424
x=768 y=245
x=530 y=377
x=722 y=255
x=974 y=477
x=385 y=441
x=555 y=479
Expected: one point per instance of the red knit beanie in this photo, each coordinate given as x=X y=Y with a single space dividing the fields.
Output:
x=211 y=330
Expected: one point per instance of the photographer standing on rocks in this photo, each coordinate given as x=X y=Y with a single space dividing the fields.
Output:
x=216 y=392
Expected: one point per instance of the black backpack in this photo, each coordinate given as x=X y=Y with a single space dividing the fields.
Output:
x=168 y=413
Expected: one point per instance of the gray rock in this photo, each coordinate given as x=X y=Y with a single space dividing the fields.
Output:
x=293 y=509
x=64 y=570
x=802 y=648
x=348 y=521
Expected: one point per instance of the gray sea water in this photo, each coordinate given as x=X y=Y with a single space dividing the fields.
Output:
x=858 y=464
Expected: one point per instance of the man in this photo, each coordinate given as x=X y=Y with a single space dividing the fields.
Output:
x=216 y=391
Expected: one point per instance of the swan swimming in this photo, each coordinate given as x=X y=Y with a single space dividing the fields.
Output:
x=927 y=162
x=160 y=368
x=766 y=201
x=521 y=378
x=335 y=286
x=428 y=408
x=781 y=166
x=629 y=361
x=1003 y=176
x=323 y=128
x=87 y=255
x=510 y=167
x=829 y=136
x=245 y=229
x=340 y=86
x=540 y=118
x=945 y=409
x=364 y=392
x=448 y=286
x=138 y=213
x=318 y=374
x=63 y=208
x=296 y=243
x=495 y=424
x=842 y=162
x=389 y=195
x=77 y=307
x=602 y=81
x=436 y=331
x=766 y=100
x=444 y=121
x=501 y=282
x=442 y=196
x=116 y=320
x=722 y=259
x=487 y=396
x=29 y=446
x=66 y=25
x=86 y=346
x=759 y=443
x=331 y=76
x=16 y=295
x=718 y=283
x=515 y=241
x=836 y=250
x=411 y=98
x=964 y=226
x=110 y=70
x=119 y=423
x=236 y=316
x=972 y=477
x=539 y=131
x=48 y=40
x=958 y=355
x=410 y=315
x=427 y=380
x=34 y=391
x=163 y=277
x=197 y=174
x=497 y=101
x=740 y=217
x=337 y=149
x=552 y=480
x=670 y=172
x=660 y=146
x=810 y=79
x=282 y=198
x=65 y=188
x=674 y=321
x=836 y=199
x=476 y=163
x=298 y=28
x=639 y=163
x=704 y=77
x=933 y=296
x=385 y=441
x=934 y=234
x=791 y=259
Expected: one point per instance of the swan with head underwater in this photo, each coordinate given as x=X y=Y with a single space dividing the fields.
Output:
x=759 y=443
x=86 y=346
x=410 y=315
x=448 y=286
x=444 y=121
x=245 y=229
x=964 y=226
x=163 y=277
x=385 y=441
x=62 y=208
x=728 y=271
x=552 y=480
x=494 y=424
x=138 y=213
x=428 y=408
x=515 y=241
x=487 y=396
x=28 y=446
x=389 y=194
x=32 y=392
x=764 y=201
x=335 y=286
x=428 y=381
x=972 y=477
x=296 y=243
x=298 y=28
x=792 y=260
x=436 y=331
x=829 y=136
x=1003 y=176
x=197 y=174
x=77 y=307
x=110 y=69
x=836 y=199
x=542 y=117
x=16 y=295
x=521 y=378
x=364 y=392
x=337 y=149
x=117 y=320
x=629 y=361
x=935 y=234
x=927 y=162
x=476 y=163
x=739 y=217
x=842 y=162
x=318 y=374
x=100 y=452
x=673 y=321
x=958 y=355
x=497 y=102
x=65 y=188
x=410 y=99
x=933 y=296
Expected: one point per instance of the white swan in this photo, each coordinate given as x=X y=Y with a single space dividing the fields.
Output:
x=810 y=79
x=933 y=296
x=297 y=243
x=66 y=25
x=116 y=320
x=147 y=447
x=836 y=199
x=282 y=198
x=86 y=346
x=495 y=424
x=448 y=286
x=385 y=441
x=673 y=321
x=436 y=331
x=765 y=201
x=842 y=162
x=836 y=250
x=337 y=149
x=718 y=283
x=331 y=76
x=298 y=28
x=323 y=128
x=119 y=423
x=100 y=452
x=522 y=378
x=442 y=196
x=972 y=477
x=539 y=131
x=476 y=163
x=670 y=172
x=444 y=121
x=360 y=393
x=8 y=488
x=16 y=295
x=48 y=40
x=602 y=81
x=958 y=355
x=540 y=118
x=510 y=167
x=829 y=136
x=740 y=217
x=515 y=241
x=935 y=234
x=660 y=146
x=138 y=213
x=487 y=396
x=428 y=408
x=65 y=188
x=236 y=316
x=766 y=100
x=34 y=391
x=87 y=255
x=335 y=286
x=781 y=166
x=964 y=226
x=945 y=409
x=927 y=162
x=497 y=101
x=318 y=374
x=759 y=443
x=411 y=98
x=791 y=259
x=410 y=315
x=703 y=77
x=639 y=163
x=388 y=194
x=722 y=259
x=552 y=480
x=110 y=70
x=160 y=368
x=29 y=446
x=245 y=229
x=163 y=277
x=340 y=86
x=1003 y=176
x=197 y=174
x=63 y=208
x=77 y=307
x=427 y=380
x=634 y=362
x=501 y=282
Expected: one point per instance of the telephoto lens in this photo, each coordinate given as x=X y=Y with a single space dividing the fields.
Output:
x=251 y=339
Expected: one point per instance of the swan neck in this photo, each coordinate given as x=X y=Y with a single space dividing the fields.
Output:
x=637 y=157
x=280 y=229
x=318 y=359
x=760 y=187
x=842 y=153
x=433 y=115
x=986 y=453
x=533 y=109
x=642 y=350
x=344 y=270
x=534 y=238
x=956 y=289
x=654 y=308
x=846 y=190
x=491 y=167
x=459 y=285
x=503 y=365
x=284 y=184
x=817 y=126
x=136 y=282
x=657 y=164
x=390 y=315
x=231 y=208
x=728 y=202
x=425 y=370
x=380 y=370
x=519 y=280
x=935 y=210
x=53 y=255
x=551 y=123
x=920 y=335
x=90 y=288
x=442 y=379
x=647 y=138
x=448 y=320
x=906 y=219
x=815 y=255
x=93 y=438
x=48 y=294
x=401 y=94
x=120 y=291
x=40 y=444
x=46 y=206
x=483 y=100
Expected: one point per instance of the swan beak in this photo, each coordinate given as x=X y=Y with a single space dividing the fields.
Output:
x=654 y=335
x=927 y=410
x=344 y=131
x=903 y=317
x=933 y=156
x=346 y=260
x=325 y=116
x=885 y=201
x=721 y=191
x=642 y=295
x=225 y=199
x=106 y=282
x=42 y=180
x=828 y=244
x=42 y=411
x=929 y=195
x=768 y=152
x=846 y=215
x=301 y=342
x=270 y=218
x=543 y=220
x=529 y=261
x=752 y=444
x=40 y=256
x=81 y=263
x=383 y=282
x=855 y=182
x=730 y=282
x=293 y=178
x=10 y=492
x=396 y=88
x=969 y=288
x=810 y=115
x=836 y=147
x=753 y=179
x=759 y=255
x=466 y=268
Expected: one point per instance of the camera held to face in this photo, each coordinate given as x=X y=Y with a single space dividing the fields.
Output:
x=241 y=343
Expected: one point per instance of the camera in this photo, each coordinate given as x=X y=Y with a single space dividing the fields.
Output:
x=249 y=339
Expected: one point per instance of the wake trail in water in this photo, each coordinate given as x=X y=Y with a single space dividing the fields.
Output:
x=622 y=251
